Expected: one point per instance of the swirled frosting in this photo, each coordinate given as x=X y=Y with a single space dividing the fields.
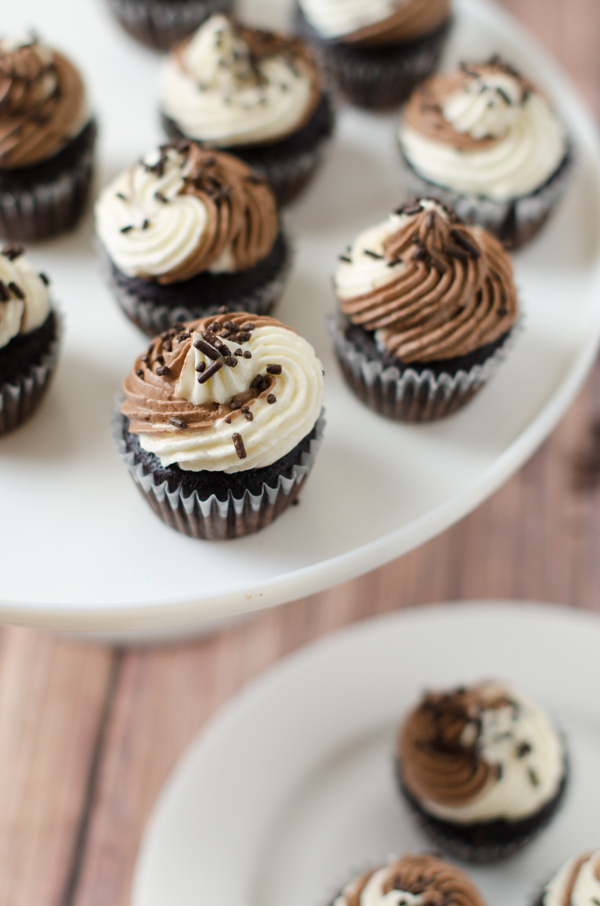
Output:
x=375 y=21
x=412 y=881
x=42 y=102
x=229 y=85
x=480 y=754
x=576 y=884
x=428 y=285
x=484 y=129
x=226 y=393
x=184 y=210
x=24 y=299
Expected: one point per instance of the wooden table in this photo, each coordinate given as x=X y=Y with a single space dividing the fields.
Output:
x=88 y=734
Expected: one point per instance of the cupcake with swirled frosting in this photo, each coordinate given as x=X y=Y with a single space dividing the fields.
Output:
x=488 y=142
x=427 y=307
x=577 y=883
x=188 y=230
x=423 y=880
x=376 y=51
x=29 y=335
x=221 y=423
x=254 y=93
x=483 y=767
x=47 y=139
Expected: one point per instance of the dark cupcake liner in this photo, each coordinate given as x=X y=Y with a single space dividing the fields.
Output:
x=413 y=393
x=289 y=164
x=20 y=396
x=376 y=77
x=213 y=518
x=162 y=23
x=256 y=291
x=515 y=221
x=484 y=842
x=49 y=198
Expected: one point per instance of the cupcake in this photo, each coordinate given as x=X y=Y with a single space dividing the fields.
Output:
x=187 y=231
x=161 y=23
x=254 y=93
x=576 y=884
x=376 y=51
x=47 y=138
x=29 y=331
x=488 y=142
x=428 y=305
x=483 y=768
x=221 y=423
x=411 y=880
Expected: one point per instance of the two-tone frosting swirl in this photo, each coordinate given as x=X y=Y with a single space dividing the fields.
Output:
x=480 y=754
x=229 y=86
x=484 y=129
x=184 y=210
x=576 y=884
x=225 y=393
x=412 y=881
x=42 y=102
x=429 y=286
x=366 y=22
x=24 y=297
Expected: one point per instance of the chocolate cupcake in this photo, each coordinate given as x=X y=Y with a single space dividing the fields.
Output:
x=187 y=231
x=483 y=768
x=47 y=138
x=254 y=93
x=221 y=423
x=428 y=305
x=487 y=142
x=411 y=880
x=376 y=51
x=162 y=23
x=29 y=334
x=577 y=883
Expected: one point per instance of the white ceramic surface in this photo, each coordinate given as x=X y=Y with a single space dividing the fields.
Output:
x=85 y=551
x=290 y=791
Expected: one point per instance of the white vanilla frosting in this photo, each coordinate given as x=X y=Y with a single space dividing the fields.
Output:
x=335 y=18
x=576 y=884
x=530 y=140
x=217 y=93
x=373 y=893
x=528 y=751
x=142 y=234
x=20 y=315
x=275 y=429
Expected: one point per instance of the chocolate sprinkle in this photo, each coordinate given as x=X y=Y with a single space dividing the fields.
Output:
x=372 y=254
x=223 y=310
x=247 y=354
x=345 y=258
x=200 y=367
x=249 y=326
x=224 y=350
x=178 y=422
x=273 y=369
x=462 y=240
x=208 y=350
x=235 y=404
x=13 y=251
x=271 y=398
x=534 y=777
x=4 y=293
x=212 y=369
x=238 y=352
x=162 y=370
x=140 y=373
x=44 y=278
x=523 y=750
x=247 y=414
x=238 y=443
x=160 y=197
x=126 y=229
x=183 y=336
x=16 y=289
x=215 y=326
x=231 y=361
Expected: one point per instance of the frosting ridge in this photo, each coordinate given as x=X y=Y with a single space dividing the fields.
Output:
x=184 y=210
x=430 y=287
x=228 y=85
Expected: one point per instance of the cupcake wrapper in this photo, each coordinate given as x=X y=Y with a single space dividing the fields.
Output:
x=18 y=400
x=288 y=178
x=161 y=23
x=214 y=519
x=514 y=222
x=380 y=77
x=154 y=318
x=50 y=207
x=411 y=396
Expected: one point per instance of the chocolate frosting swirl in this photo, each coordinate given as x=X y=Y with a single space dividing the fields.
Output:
x=409 y=21
x=42 y=99
x=437 y=762
x=434 y=881
x=150 y=404
x=448 y=288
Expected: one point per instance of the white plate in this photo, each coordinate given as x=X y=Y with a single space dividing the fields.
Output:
x=86 y=553
x=290 y=791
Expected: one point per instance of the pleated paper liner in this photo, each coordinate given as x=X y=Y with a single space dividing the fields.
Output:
x=162 y=23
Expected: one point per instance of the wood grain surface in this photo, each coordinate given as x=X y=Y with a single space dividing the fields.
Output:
x=88 y=734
